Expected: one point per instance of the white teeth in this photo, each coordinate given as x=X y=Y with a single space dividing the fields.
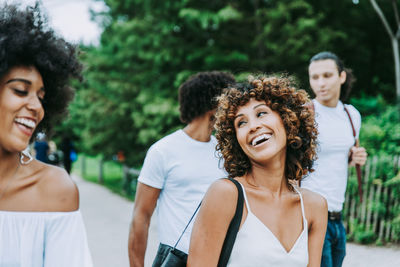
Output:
x=26 y=122
x=260 y=138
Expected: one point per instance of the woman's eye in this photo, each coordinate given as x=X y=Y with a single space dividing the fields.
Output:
x=261 y=113
x=20 y=92
x=240 y=123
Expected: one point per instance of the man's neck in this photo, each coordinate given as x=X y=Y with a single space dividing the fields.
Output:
x=199 y=129
x=332 y=103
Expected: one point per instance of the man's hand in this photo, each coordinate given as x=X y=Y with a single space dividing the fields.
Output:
x=358 y=156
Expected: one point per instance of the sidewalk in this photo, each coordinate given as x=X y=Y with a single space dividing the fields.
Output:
x=107 y=217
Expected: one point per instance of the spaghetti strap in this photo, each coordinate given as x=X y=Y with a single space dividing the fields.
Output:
x=301 y=204
x=245 y=198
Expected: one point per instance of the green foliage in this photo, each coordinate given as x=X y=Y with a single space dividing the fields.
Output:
x=380 y=170
x=148 y=48
x=365 y=46
x=360 y=234
x=113 y=173
x=380 y=133
x=369 y=105
x=396 y=226
x=364 y=237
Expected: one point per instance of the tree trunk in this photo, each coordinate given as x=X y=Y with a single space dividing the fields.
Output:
x=394 y=38
x=396 y=55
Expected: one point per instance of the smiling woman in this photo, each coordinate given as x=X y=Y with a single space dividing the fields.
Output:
x=40 y=221
x=21 y=107
x=266 y=136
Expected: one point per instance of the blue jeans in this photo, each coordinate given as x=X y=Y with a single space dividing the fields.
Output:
x=334 y=245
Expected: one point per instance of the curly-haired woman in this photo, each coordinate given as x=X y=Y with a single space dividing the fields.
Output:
x=267 y=138
x=40 y=221
x=178 y=169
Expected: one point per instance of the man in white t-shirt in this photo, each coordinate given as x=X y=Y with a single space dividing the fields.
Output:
x=331 y=83
x=178 y=170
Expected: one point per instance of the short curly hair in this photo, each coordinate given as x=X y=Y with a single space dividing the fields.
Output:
x=280 y=95
x=25 y=40
x=197 y=95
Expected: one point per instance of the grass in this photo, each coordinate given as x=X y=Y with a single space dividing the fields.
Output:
x=112 y=174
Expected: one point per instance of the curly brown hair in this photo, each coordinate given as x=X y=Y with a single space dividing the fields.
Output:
x=280 y=95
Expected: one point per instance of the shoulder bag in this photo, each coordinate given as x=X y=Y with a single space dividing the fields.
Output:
x=175 y=260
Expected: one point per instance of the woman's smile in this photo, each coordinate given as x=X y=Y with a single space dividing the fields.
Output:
x=259 y=130
x=260 y=139
x=21 y=109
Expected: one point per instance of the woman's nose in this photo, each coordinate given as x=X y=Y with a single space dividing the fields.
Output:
x=34 y=104
x=254 y=124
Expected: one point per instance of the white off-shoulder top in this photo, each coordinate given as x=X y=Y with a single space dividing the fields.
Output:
x=43 y=239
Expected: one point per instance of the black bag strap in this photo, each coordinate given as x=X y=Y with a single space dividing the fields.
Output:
x=233 y=227
x=179 y=239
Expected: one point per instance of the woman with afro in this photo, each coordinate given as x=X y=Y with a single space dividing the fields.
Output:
x=267 y=139
x=40 y=221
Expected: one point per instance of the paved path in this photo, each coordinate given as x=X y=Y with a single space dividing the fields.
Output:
x=107 y=217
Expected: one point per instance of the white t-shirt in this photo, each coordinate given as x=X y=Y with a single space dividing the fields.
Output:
x=43 y=239
x=183 y=169
x=335 y=138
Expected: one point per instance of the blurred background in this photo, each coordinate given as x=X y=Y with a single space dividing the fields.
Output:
x=137 y=52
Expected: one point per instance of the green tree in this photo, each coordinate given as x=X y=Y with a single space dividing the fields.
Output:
x=148 y=48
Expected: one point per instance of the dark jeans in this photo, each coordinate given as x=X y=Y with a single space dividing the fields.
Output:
x=162 y=253
x=334 y=245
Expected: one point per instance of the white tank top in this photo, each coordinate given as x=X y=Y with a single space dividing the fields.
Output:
x=256 y=245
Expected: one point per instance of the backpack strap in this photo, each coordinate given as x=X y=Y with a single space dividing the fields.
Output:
x=358 y=167
x=233 y=227
x=311 y=107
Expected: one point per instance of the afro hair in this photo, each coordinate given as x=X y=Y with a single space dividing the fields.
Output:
x=26 y=40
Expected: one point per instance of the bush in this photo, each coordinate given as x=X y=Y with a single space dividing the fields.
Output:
x=380 y=133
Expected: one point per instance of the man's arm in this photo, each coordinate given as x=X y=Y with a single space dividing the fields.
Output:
x=145 y=202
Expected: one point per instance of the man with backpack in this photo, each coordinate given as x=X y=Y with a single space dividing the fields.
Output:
x=338 y=130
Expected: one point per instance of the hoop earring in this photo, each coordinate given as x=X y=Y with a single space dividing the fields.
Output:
x=25 y=154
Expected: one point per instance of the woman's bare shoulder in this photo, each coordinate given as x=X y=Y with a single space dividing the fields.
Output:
x=57 y=189
x=222 y=194
x=224 y=189
x=223 y=186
